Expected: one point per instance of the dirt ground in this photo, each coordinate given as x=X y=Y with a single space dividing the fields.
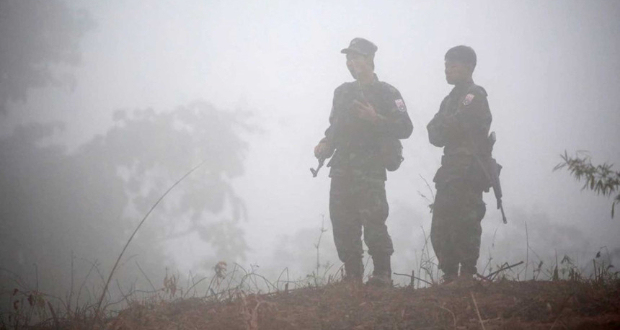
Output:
x=499 y=305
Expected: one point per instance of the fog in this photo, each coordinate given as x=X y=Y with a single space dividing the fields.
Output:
x=263 y=75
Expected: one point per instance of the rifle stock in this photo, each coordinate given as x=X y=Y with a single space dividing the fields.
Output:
x=316 y=172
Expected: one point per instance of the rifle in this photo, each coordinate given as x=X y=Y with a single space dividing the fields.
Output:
x=335 y=128
x=316 y=172
x=492 y=174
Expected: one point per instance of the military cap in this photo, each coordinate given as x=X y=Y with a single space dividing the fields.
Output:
x=360 y=46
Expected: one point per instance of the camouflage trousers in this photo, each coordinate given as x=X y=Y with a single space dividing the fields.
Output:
x=456 y=229
x=358 y=203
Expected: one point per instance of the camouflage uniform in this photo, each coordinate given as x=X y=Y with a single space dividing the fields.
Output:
x=357 y=195
x=461 y=126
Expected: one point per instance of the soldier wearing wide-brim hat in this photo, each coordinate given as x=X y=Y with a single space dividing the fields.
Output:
x=367 y=119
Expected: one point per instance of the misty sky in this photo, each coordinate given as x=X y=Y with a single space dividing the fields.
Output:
x=551 y=69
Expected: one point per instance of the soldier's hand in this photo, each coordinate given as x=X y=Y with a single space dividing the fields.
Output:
x=323 y=150
x=366 y=111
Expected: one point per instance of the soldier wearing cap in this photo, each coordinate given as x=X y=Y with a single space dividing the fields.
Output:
x=461 y=127
x=367 y=119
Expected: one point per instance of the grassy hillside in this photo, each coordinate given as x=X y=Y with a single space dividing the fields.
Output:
x=503 y=304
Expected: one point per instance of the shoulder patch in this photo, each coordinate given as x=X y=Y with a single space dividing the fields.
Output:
x=468 y=99
x=400 y=105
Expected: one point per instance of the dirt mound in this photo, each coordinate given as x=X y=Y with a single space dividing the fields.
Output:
x=502 y=305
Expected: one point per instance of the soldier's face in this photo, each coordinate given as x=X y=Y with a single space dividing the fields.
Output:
x=359 y=65
x=457 y=72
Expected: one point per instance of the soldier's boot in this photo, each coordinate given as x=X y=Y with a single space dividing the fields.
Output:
x=448 y=278
x=450 y=274
x=354 y=270
x=382 y=274
x=466 y=278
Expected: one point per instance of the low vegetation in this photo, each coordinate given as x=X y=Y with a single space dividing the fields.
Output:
x=561 y=297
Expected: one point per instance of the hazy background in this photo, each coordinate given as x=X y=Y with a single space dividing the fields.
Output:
x=247 y=86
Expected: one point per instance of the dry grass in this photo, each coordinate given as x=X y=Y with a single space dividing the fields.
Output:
x=490 y=305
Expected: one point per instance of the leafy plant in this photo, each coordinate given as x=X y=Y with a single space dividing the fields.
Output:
x=601 y=179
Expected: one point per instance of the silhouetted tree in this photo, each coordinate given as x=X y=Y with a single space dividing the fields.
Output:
x=36 y=35
x=599 y=178
x=53 y=202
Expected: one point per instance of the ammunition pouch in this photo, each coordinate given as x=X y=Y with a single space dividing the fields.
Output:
x=391 y=153
x=467 y=167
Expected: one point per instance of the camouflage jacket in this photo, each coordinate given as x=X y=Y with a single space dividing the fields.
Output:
x=461 y=127
x=357 y=142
